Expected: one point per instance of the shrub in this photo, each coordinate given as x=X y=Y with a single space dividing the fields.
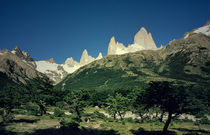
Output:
x=58 y=112
x=130 y=120
x=8 y=118
x=69 y=124
x=19 y=111
x=62 y=105
x=204 y=120
x=99 y=115
x=32 y=108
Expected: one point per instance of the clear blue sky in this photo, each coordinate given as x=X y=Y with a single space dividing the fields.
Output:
x=64 y=28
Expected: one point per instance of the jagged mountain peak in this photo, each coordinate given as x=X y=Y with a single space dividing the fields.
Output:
x=85 y=52
x=51 y=60
x=16 y=48
x=100 y=56
x=142 y=30
x=24 y=55
x=85 y=58
x=71 y=61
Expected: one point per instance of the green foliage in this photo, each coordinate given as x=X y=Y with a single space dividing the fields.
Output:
x=77 y=100
x=58 y=112
x=9 y=117
x=40 y=91
x=117 y=104
x=103 y=79
x=10 y=97
x=99 y=115
x=204 y=120
x=62 y=105
x=174 y=99
x=32 y=108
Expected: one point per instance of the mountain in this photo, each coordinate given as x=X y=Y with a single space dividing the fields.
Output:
x=57 y=72
x=184 y=60
x=142 y=41
x=85 y=59
x=17 y=65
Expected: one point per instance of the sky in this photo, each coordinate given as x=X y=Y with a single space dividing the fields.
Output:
x=64 y=28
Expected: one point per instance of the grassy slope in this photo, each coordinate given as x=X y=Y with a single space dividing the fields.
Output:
x=185 y=60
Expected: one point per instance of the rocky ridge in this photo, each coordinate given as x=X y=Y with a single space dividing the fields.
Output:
x=142 y=41
x=18 y=65
x=184 y=60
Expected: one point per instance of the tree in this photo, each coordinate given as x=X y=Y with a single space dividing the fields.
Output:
x=171 y=98
x=10 y=98
x=40 y=91
x=138 y=107
x=77 y=100
x=117 y=104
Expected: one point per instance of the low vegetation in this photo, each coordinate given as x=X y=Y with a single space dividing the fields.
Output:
x=160 y=108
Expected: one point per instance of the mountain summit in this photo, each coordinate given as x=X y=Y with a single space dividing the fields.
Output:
x=182 y=60
x=85 y=59
x=142 y=41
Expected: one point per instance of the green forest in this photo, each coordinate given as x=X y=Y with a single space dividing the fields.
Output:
x=157 y=107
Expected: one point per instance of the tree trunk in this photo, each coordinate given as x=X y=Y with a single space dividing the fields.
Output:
x=167 y=123
x=114 y=115
x=78 y=113
x=120 y=116
x=4 y=115
x=42 y=109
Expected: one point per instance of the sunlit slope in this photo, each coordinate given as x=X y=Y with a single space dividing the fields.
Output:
x=186 y=60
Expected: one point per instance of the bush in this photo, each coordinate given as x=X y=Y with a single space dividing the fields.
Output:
x=58 y=112
x=8 y=118
x=204 y=120
x=32 y=108
x=130 y=120
x=62 y=105
x=72 y=124
x=19 y=111
x=99 y=115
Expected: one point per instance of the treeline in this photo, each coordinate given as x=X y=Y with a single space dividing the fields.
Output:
x=166 y=98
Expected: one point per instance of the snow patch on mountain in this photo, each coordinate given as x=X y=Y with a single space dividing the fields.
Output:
x=205 y=30
x=45 y=66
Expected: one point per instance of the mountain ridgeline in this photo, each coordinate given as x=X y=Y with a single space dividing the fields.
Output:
x=184 y=60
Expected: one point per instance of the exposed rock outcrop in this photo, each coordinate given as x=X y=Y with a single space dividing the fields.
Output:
x=142 y=41
x=18 y=65
x=85 y=59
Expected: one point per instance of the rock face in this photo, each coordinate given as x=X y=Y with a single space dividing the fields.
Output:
x=142 y=41
x=85 y=59
x=100 y=56
x=24 y=55
x=204 y=30
x=51 y=60
x=18 y=65
x=142 y=38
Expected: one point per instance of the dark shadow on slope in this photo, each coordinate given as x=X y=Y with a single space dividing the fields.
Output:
x=3 y=131
x=69 y=131
x=24 y=120
x=193 y=132
x=60 y=131
x=141 y=131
